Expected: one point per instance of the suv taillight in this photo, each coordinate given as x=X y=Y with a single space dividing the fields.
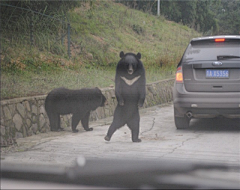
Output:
x=179 y=75
x=220 y=40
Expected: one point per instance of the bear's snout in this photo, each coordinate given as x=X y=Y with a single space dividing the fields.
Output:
x=130 y=69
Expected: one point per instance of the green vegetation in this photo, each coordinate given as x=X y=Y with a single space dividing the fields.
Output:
x=99 y=31
x=192 y=13
x=227 y=16
x=211 y=17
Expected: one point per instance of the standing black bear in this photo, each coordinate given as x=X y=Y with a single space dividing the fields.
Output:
x=80 y=102
x=130 y=91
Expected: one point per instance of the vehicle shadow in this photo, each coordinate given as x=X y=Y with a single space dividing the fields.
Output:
x=215 y=124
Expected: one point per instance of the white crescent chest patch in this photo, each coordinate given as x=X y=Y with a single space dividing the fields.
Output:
x=132 y=81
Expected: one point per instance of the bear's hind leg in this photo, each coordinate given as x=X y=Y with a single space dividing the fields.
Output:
x=59 y=128
x=135 y=134
x=116 y=124
x=110 y=132
x=85 y=122
x=118 y=121
x=53 y=120
x=75 y=121
x=133 y=124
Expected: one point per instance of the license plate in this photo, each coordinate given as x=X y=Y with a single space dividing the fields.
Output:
x=214 y=73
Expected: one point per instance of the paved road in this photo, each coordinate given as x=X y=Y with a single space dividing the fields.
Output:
x=205 y=140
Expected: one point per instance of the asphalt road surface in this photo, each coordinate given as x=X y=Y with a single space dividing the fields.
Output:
x=210 y=140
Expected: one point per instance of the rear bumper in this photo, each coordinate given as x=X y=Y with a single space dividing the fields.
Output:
x=205 y=105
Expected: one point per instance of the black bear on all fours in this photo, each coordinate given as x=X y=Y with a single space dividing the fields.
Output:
x=130 y=91
x=79 y=103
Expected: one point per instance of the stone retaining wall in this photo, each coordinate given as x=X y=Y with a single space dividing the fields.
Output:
x=22 y=117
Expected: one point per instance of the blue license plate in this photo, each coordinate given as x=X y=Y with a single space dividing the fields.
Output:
x=214 y=73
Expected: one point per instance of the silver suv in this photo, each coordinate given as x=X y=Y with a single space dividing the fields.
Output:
x=207 y=81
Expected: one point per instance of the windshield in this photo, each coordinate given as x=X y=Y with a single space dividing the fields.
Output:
x=89 y=94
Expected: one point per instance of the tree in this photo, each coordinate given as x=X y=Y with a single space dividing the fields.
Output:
x=188 y=12
x=14 y=12
x=170 y=9
x=226 y=13
x=206 y=16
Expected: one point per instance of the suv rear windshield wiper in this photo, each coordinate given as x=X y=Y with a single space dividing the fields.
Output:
x=221 y=57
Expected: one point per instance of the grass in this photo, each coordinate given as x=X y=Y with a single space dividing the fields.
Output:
x=39 y=82
x=98 y=33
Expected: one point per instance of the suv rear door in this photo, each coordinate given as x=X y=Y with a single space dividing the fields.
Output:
x=212 y=66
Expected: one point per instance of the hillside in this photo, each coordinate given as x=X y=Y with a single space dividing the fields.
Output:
x=99 y=31
x=105 y=33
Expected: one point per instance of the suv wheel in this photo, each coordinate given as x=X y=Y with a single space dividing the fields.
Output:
x=181 y=122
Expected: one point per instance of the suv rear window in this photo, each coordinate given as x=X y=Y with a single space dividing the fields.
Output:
x=209 y=50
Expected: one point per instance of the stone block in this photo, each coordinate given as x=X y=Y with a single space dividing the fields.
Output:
x=41 y=121
x=34 y=128
x=17 y=120
x=100 y=113
x=34 y=109
x=24 y=131
x=30 y=132
x=26 y=105
x=7 y=113
x=28 y=122
x=42 y=109
x=34 y=119
x=12 y=108
x=21 y=109
x=3 y=131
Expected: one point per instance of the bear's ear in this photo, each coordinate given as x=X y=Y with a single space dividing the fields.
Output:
x=121 y=54
x=139 y=55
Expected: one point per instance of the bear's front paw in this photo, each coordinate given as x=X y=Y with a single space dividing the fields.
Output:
x=137 y=140
x=89 y=129
x=75 y=131
x=107 y=138
x=60 y=129
x=55 y=130
x=140 y=105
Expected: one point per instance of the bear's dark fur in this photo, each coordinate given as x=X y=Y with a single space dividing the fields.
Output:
x=130 y=91
x=79 y=103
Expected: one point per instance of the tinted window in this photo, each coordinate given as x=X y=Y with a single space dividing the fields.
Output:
x=210 y=51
